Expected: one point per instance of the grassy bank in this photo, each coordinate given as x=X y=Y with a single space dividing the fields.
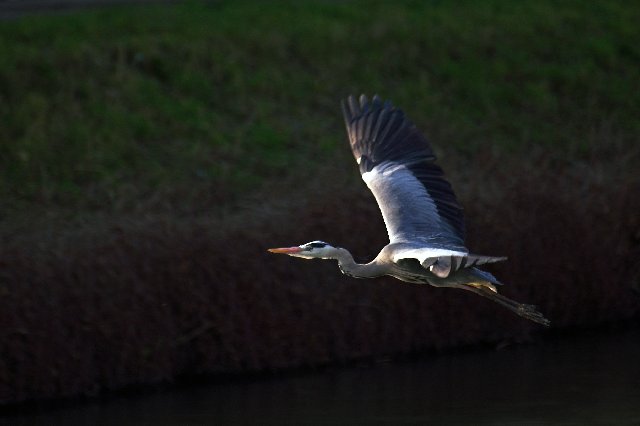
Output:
x=149 y=155
x=139 y=107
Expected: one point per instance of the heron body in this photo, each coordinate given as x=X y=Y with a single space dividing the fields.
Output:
x=423 y=218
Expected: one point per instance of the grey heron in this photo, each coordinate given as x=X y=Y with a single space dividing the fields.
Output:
x=423 y=218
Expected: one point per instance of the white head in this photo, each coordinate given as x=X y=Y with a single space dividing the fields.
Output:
x=312 y=250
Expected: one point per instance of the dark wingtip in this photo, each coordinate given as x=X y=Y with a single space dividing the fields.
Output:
x=345 y=112
x=353 y=106
x=364 y=103
x=376 y=101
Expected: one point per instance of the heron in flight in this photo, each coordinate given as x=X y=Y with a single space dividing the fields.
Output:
x=423 y=218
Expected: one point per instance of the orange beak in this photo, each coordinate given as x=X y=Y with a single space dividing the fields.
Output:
x=286 y=250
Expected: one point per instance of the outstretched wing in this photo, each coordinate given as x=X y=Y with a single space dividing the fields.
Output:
x=398 y=165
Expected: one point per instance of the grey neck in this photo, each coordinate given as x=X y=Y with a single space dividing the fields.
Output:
x=358 y=270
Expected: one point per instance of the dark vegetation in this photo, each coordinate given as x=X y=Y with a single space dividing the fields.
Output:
x=149 y=156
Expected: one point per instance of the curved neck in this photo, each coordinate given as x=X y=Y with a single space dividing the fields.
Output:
x=359 y=270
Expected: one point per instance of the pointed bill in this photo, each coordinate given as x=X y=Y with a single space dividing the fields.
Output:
x=285 y=250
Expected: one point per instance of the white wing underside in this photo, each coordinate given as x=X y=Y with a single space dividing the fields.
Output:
x=409 y=212
x=415 y=229
x=423 y=217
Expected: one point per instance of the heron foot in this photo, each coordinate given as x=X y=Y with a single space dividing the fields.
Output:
x=531 y=312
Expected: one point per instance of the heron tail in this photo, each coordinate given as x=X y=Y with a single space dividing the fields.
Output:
x=442 y=266
x=484 y=275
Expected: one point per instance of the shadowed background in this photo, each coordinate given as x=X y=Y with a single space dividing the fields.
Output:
x=150 y=155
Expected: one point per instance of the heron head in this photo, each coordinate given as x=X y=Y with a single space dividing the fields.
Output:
x=312 y=250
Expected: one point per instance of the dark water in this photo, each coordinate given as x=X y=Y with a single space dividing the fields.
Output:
x=565 y=381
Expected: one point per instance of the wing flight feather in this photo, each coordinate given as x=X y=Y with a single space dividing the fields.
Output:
x=398 y=165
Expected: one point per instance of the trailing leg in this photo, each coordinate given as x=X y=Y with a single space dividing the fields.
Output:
x=526 y=311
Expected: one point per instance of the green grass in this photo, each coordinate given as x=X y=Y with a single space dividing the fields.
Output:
x=106 y=110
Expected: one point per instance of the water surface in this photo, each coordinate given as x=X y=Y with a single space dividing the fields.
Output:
x=565 y=381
